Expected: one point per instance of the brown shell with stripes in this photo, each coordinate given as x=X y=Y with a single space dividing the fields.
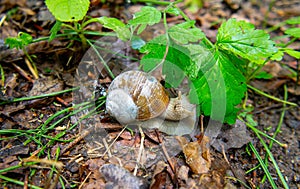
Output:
x=148 y=95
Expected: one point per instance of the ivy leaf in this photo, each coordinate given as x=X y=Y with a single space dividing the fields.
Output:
x=242 y=39
x=219 y=90
x=183 y=33
x=116 y=25
x=147 y=16
x=68 y=10
x=19 y=42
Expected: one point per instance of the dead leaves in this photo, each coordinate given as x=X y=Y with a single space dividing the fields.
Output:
x=232 y=137
x=118 y=177
x=197 y=155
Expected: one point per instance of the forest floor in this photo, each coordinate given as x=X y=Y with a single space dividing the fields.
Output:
x=43 y=147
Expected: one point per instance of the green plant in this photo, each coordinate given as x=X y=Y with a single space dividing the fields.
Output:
x=20 y=42
x=218 y=73
x=215 y=70
x=71 y=15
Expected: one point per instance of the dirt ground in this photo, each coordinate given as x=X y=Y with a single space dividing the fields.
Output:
x=80 y=158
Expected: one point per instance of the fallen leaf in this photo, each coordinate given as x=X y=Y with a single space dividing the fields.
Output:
x=232 y=137
x=159 y=176
x=197 y=155
x=118 y=177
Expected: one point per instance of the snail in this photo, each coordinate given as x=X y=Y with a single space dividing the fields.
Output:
x=135 y=96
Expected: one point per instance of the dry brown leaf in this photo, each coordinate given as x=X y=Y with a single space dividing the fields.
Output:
x=159 y=175
x=197 y=155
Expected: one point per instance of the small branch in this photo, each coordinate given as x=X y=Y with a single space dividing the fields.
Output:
x=23 y=73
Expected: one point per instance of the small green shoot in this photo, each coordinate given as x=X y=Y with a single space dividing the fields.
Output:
x=20 y=42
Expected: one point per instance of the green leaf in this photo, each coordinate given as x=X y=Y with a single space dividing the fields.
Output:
x=219 y=90
x=25 y=38
x=147 y=16
x=278 y=55
x=116 y=25
x=54 y=30
x=294 y=20
x=141 y=28
x=202 y=57
x=293 y=53
x=19 y=42
x=177 y=62
x=295 y=32
x=137 y=42
x=263 y=75
x=173 y=10
x=242 y=39
x=183 y=33
x=68 y=10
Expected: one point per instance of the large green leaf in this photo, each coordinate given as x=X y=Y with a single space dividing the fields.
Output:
x=242 y=39
x=177 y=62
x=219 y=90
x=68 y=10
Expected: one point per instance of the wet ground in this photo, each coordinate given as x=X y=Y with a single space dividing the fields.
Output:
x=162 y=164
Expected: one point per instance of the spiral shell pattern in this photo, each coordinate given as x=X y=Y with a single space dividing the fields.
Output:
x=147 y=93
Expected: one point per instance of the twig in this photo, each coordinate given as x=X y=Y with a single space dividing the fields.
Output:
x=35 y=75
x=106 y=146
x=84 y=134
x=114 y=141
x=165 y=152
x=224 y=154
x=85 y=179
x=23 y=73
x=60 y=100
x=141 y=149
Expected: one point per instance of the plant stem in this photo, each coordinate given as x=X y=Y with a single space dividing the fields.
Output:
x=263 y=166
x=155 y=2
x=38 y=96
x=102 y=60
x=270 y=96
x=2 y=77
x=262 y=133
x=30 y=64
x=278 y=126
x=248 y=78
x=18 y=182
x=285 y=185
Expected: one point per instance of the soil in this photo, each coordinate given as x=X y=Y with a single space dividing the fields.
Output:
x=63 y=156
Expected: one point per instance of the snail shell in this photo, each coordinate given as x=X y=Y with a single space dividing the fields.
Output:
x=136 y=96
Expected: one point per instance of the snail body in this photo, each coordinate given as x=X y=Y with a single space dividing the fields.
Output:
x=135 y=96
